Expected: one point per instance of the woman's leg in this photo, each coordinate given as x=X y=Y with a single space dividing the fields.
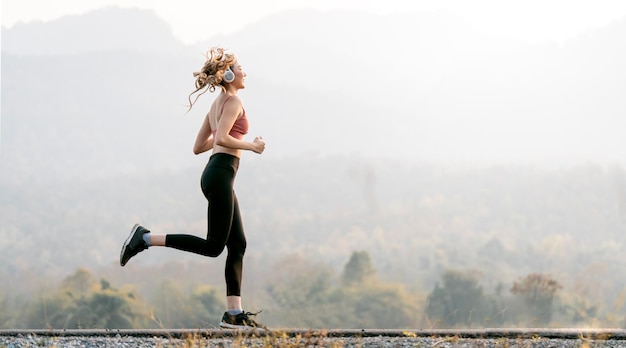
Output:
x=219 y=219
x=236 y=245
x=217 y=186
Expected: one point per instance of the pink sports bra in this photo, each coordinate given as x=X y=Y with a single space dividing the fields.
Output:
x=240 y=127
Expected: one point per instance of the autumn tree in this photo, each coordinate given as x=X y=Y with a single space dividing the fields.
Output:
x=207 y=306
x=458 y=301
x=360 y=301
x=538 y=292
x=84 y=302
x=358 y=269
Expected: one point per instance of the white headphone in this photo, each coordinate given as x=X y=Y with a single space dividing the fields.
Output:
x=229 y=76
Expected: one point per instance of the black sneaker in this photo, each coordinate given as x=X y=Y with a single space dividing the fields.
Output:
x=240 y=321
x=133 y=244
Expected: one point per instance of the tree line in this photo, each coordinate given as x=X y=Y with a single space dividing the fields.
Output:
x=492 y=225
x=307 y=295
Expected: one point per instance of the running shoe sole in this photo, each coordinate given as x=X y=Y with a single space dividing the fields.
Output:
x=130 y=236
x=240 y=327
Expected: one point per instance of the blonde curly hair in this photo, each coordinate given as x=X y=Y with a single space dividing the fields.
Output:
x=212 y=73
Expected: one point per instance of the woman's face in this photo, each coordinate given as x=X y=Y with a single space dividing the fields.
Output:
x=240 y=76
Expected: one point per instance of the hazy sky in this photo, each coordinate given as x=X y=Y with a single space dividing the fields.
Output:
x=194 y=20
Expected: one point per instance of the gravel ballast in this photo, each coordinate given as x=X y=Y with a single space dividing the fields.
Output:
x=315 y=338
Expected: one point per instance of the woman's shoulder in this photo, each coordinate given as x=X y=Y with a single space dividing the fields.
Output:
x=232 y=102
x=232 y=99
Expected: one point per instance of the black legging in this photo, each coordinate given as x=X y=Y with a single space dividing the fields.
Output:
x=225 y=228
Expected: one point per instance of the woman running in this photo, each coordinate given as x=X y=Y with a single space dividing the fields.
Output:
x=223 y=130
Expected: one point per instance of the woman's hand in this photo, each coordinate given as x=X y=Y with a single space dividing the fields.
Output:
x=258 y=145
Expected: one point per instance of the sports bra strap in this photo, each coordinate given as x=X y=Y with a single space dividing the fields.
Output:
x=223 y=104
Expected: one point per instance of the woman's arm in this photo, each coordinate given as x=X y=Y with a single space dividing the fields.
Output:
x=204 y=140
x=232 y=109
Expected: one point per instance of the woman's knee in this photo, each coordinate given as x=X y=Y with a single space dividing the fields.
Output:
x=214 y=251
x=237 y=249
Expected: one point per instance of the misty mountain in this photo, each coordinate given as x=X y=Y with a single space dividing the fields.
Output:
x=107 y=29
x=111 y=99
x=461 y=88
